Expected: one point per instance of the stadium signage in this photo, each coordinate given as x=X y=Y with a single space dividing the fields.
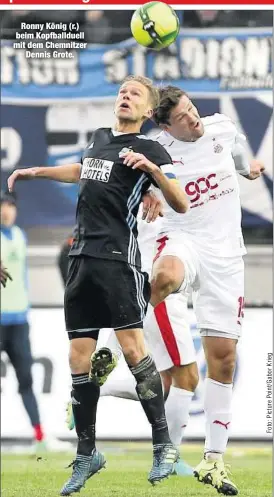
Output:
x=202 y=61
x=236 y=62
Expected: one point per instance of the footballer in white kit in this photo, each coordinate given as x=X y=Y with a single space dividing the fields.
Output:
x=208 y=238
x=200 y=252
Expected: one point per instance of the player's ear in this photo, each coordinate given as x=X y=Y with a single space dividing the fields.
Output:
x=149 y=113
x=164 y=127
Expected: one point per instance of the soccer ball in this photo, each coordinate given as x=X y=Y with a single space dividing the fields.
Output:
x=155 y=25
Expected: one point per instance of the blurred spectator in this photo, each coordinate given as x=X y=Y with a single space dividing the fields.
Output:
x=227 y=18
x=5 y=276
x=110 y=26
x=97 y=27
x=120 y=24
x=14 y=329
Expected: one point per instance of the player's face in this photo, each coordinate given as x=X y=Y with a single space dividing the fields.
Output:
x=184 y=122
x=133 y=103
x=8 y=214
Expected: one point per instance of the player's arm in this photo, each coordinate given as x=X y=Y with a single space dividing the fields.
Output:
x=69 y=173
x=249 y=169
x=166 y=181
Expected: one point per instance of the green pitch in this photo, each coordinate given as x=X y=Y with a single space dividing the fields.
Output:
x=126 y=473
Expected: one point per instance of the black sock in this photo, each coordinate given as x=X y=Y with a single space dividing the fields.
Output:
x=84 y=397
x=150 y=393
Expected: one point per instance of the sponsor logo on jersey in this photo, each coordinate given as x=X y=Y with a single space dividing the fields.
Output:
x=96 y=169
x=218 y=148
x=124 y=151
x=194 y=189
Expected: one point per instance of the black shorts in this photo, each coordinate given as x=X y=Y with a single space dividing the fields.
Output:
x=103 y=293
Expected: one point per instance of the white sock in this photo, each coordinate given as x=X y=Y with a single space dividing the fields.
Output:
x=177 y=413
x=218 y=415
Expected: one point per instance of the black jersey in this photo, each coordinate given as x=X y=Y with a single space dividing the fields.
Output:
x=110 y=194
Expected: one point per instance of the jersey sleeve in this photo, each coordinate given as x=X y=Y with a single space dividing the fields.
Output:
x=239 y=150
x=159 y=156
x=90 y=144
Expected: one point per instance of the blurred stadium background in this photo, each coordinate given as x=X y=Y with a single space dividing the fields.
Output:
x=49 y=109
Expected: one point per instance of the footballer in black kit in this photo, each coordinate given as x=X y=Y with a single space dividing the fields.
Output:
x=106 y=287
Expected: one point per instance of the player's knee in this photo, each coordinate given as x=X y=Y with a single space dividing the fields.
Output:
x=222 y=369
x=227 y=367
x=163 y=283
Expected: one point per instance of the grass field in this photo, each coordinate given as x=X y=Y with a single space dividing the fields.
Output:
x=126 y=473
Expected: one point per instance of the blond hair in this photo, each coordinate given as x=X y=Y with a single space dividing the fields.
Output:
x=148 y=83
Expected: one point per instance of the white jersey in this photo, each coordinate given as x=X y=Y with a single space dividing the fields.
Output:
x=206 y=172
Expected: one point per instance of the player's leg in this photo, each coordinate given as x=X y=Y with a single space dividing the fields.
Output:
x=19 y=351
x=184 y=382
x=134 y=291
x=105 y=358
x=168 y=334
x=220 y=324
x=167 y=277
x=115 y=377
x=150 y=393
x=81 y=302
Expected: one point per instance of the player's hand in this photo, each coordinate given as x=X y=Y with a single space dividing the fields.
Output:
x=139 y=161
x=21 y=174
x=152 y=207
x=256 y=169
x=4 y=275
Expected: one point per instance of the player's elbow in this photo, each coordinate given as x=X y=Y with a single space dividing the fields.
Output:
x=181 y=205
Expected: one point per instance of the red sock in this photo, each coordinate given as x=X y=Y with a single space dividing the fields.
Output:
x=38 y=433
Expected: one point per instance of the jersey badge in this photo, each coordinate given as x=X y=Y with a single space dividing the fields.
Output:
x=217 y=147
x=124 y=151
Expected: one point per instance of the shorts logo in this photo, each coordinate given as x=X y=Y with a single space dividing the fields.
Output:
x=96 y=169
x=124 y=151
x=194 y=189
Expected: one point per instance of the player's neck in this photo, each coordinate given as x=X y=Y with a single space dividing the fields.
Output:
x=127 y=127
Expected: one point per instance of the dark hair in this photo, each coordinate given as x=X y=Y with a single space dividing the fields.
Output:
x=169 y=98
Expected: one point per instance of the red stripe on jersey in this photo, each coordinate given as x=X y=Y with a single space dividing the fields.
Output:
x=167 y=333
x=162 y=243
